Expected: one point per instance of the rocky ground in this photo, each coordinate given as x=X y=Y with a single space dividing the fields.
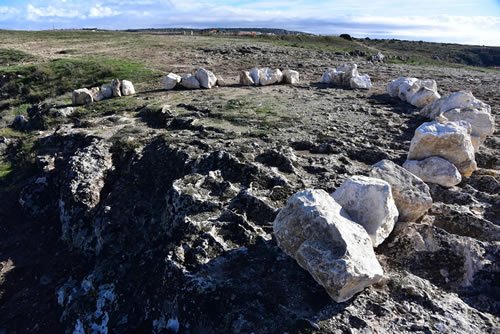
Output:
x=154 y=212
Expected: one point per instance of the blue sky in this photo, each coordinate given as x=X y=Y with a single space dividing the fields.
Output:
x=459 y=21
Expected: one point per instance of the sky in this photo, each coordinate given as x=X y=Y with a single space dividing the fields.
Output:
x=456 y=21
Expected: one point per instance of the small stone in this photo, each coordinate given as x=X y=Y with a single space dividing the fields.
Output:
x=435 y=170
x=220 y=81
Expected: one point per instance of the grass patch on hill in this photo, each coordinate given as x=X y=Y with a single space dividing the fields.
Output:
x=35 y=83
x=12 y=57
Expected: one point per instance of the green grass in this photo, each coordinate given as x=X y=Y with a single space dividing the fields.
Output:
x=5 y=169
x=11 y=57
x=35 y=83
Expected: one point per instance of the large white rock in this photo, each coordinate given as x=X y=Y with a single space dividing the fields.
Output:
x=190 y=82
x=449 y=140
x=96 y=94
x=206 y=78
x=116 y=87
x=291 y=77
x=246 y=78
x=411 y=195
x=255 y=74
x=327 y=77
x=435 y=170
x=414 y=91
x=461 y=100
x=127 y=88
x=361 y=82
x=370 y=203
x=171 y=80
x=270 y=77
x=82 y=96
x=106 y=91
x=320 y=235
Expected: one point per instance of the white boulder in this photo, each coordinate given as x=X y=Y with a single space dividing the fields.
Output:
x=449 y=140
x=270 y=77
x=463 y=106
x=81 y=96
x=346 y=75
x=423 y=97
x=322 y=238
x=127 y=88
x=291 y=77
x=190 y=82
x=116 y=87
x=370 y=203
x=255 y=74
x=106 y=91
x=327 y=77
x=206 y=78
x=411 y=195
x=246 y=78
x=361 y=82
x=414 y=91
x=435 y=170
x=171 y=80
x=96 y=94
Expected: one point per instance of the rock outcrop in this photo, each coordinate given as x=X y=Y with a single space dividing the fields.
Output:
x=411 y=194
x=170 y=81
x=320 y=235
x=370 y=203
x=448 y=140
x=435 y=170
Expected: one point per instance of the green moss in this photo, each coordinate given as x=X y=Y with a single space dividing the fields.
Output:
x=12 y=56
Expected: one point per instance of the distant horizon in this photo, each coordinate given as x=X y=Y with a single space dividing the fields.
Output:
x=447 y=21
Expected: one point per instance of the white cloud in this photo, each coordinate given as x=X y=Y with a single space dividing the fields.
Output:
x=99 y=11
x=34 y=13
x=7 y=13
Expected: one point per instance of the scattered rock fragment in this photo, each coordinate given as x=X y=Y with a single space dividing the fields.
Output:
x=448 y=140
x=82 y=96
x=435 y=170
x=411 y=195
x=315 y=230
x=127 y=88
x=171 y=80
x=291 y=77
x=116 y=87
x=206 y=78
x=190 y=82
x=370 y=203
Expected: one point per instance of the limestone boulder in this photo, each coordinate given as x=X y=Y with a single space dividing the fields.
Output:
x=255 y=74
x=106 y=91
x=392 y=87
x=190 y=82
x=96 y=94
x=346 y=75
x=270 y=77
x=435 y=170
x=423 y=97
x=414 y=91
x=206 y=78
x=171 y=80
x=461 y=100
x=127 y=88
x=246 y=79
x=411 y=195
x=370 y=203
x=220 y=81
x=82 y=96
x=336 y=251
x=448 y=140
x=327 y=77
x=290 y=77
x=361 y=82
x=116 y=87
